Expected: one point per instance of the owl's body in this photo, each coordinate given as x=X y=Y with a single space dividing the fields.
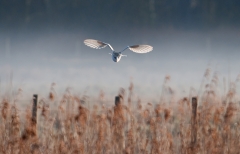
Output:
x=116 y=57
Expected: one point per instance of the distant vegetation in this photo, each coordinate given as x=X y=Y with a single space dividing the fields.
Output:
x=142 y=13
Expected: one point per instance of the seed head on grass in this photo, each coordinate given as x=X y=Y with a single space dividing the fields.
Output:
x=167 y=114
x=5 y=108
x=231 y=109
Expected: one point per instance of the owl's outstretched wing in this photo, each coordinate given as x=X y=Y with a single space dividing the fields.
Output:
x=139 y=48
x=97 y=44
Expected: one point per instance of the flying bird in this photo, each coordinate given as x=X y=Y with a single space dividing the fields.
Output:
x=116 y=56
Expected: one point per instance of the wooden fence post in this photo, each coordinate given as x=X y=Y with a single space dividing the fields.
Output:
x=194 y=121
x=34 y=109
x=117 y=100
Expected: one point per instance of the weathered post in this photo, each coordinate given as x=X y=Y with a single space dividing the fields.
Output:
x=118 y=120
x=194 y=121
x=34 y=109
x=117 y=100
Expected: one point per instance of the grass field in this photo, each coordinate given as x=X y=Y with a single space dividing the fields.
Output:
x=72 y=124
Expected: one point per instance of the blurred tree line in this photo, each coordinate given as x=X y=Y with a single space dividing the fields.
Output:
x=144 y=13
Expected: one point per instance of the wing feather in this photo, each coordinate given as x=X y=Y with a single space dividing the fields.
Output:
x=141 y=48
x=96 y=44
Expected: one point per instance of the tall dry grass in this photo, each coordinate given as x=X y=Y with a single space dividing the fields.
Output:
x=69 y=125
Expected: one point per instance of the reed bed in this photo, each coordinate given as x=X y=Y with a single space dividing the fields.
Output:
x=70 y=125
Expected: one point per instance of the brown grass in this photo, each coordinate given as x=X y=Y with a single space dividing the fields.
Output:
x=71 y=125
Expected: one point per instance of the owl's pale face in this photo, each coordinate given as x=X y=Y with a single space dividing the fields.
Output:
x=116 y=57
